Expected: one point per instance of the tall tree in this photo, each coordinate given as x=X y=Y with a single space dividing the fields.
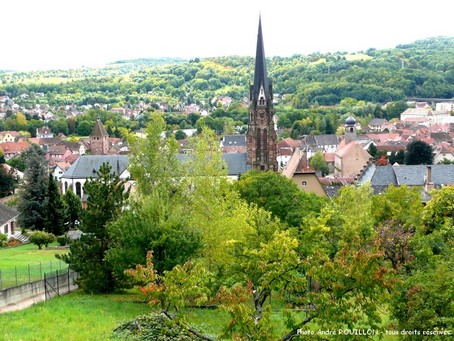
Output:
x=418 y=153
x=73 y=208
x=106 y=199
x=54 y=209
x=32 y=191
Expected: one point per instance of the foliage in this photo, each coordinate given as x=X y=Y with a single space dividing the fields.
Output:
x=150 y=224
x=153 y=327
x=54 y=209
x=279 y=195
x=73 y=208
x=106 y=200
x=418 y=153
x=8 y=181
x=318 y=163
x=41 y=238
x=3 y=240
x=32 y=191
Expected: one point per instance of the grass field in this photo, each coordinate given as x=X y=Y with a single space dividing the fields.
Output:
x=26 y=263
x=76 y=316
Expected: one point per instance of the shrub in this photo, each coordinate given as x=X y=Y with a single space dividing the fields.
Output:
x=3 y=240
x=41 y=238
x=62 y=240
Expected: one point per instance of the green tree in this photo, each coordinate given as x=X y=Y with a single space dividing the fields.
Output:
x=32 y=191
x=41 y=238
x=279 y=195
x=8 y=181
x=73 y=208
x=54 y=209
x=372 y=150
x=318 y=163
x=418 y=153
x=87 y=256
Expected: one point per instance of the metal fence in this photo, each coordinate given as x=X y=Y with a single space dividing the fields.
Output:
x=21 y=275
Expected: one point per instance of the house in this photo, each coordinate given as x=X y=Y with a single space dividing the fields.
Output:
x=303 y=176
x=12 y=149
x=351 y=159
x=377 y=124
x=60 y=168
x=8 y=217
x=8 y=136
x=325 y=143
x=86 y=168
x=427 y=177
x=44 y=132
x=234 y=144
x=285 y=149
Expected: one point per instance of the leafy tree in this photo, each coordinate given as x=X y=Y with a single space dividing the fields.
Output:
x=418 y=153
x=54 y=209
x=279 y=195
x=180 y=135
x=32 y=191
x=106 y=199
x=318 y=163
x=73 y=208
x=41 y=238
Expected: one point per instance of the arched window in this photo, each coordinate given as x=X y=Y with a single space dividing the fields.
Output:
x=79 y=189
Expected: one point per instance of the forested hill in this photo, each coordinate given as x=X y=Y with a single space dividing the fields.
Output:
x=424 y=68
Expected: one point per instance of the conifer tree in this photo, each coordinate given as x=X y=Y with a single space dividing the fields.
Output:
x=73 y=208
x=106 y=198
x=32 y=191
x=54 y=209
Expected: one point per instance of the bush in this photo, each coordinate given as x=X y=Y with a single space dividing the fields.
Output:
x=3 y=240
x=62 y=240
x=41 y=238
x=153 y=327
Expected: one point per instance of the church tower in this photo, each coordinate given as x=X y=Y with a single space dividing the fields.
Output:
x=99 y=139
x=261 y=134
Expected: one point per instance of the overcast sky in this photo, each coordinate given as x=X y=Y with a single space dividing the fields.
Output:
x=49 y=34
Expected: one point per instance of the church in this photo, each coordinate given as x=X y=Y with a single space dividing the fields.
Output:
x=261 y=138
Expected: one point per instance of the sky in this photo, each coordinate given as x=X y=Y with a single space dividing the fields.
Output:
x=52 y=34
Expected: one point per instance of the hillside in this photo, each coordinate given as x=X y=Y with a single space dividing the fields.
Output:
x=424 y=68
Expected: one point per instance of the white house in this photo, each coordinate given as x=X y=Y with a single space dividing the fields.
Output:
x=8 y=216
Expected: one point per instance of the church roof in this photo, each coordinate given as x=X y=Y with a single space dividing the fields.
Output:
x=99 y=130
x=86 y=166
x=260 y=73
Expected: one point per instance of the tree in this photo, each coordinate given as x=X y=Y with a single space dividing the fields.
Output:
x=372 y=150
x=54 y=209
x=106 y=199
x=318 y=163
x=279 y=195
x=418 y=153
x=32 y=191
x=73 y=208
x=41 y=238
x=8 y=181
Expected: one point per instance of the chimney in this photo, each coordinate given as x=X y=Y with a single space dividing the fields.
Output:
x=428 y=183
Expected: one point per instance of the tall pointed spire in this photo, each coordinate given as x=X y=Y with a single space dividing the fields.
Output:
x=261 y=134
x=261 y=84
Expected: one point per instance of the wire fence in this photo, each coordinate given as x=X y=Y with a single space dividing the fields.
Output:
x=13 y=277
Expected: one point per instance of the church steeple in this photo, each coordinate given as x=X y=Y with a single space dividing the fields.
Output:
x=260 y=88
x=261 y=135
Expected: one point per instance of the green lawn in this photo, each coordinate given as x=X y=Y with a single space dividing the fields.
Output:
x=76 y=316
x=27 y=263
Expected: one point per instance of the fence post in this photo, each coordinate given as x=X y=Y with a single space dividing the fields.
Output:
x=69 y=287
x=29 y=273
x=40 y=271
x=15 y=271
x=50 y=266
x=1 y=280
x=58 y=284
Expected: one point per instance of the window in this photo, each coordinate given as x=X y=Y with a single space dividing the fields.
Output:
x=304 y=183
